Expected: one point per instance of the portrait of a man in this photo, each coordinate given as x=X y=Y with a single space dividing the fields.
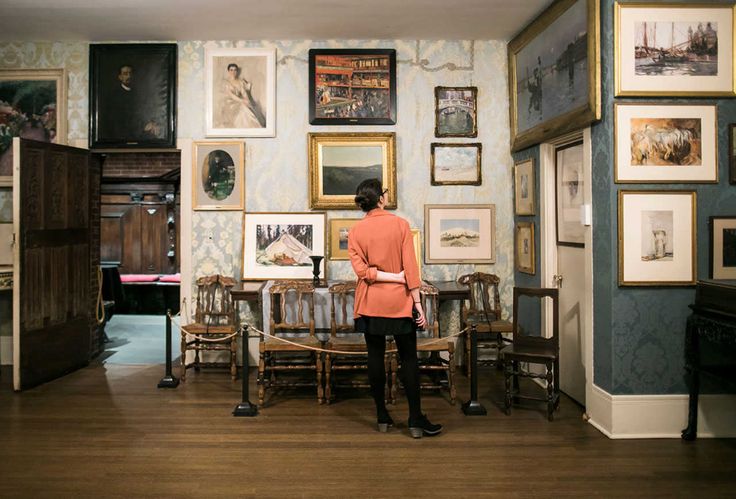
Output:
x=132 y=96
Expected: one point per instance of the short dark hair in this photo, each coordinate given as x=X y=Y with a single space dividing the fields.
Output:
x=232 y=65
x=367 y=194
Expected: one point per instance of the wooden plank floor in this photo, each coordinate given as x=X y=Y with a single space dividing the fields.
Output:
x=106 y=431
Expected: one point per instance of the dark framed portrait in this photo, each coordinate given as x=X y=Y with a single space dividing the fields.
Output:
x=352 y=86
x=455 y=111
x=132 y=95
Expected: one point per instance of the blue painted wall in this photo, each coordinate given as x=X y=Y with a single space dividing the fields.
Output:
x=639 y=332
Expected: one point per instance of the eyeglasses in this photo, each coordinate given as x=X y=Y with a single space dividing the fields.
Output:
x=384 y=192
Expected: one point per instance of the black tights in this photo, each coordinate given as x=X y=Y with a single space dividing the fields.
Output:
x=406 y=344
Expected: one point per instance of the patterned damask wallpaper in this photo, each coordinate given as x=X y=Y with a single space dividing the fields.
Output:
x=276 y=169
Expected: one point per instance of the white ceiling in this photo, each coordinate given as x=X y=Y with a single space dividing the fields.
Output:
x=128 y=20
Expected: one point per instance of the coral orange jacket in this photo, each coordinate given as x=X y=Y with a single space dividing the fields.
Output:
x=382 y=241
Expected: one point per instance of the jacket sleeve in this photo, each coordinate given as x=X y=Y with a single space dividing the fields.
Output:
x=359 y=261
x=409 y=259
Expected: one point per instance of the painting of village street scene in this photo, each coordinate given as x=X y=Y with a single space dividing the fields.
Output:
x=666 y=141
x=352 y=86
x=551 y=72
x=456 y=164
x=456 y=112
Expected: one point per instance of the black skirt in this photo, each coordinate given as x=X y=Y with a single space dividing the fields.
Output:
x=385 y=326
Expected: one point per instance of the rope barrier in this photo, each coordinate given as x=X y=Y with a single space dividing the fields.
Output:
x=198 y=337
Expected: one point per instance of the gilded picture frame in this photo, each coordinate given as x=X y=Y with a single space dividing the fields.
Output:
x=455 y=112
x=459 y=233
x=277 y=245
x=218 y=169
x=525 y=248
x=455 y=163
x=674 y=49
x=524 y=187
x=339 y=228
x=338 y=162
x=33 y=106
x=657 y=238
x=554 y=73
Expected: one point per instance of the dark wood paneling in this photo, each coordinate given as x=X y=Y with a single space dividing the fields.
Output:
x=154 y=234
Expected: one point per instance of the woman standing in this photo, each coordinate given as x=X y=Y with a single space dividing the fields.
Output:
x=382 y=255
x=239 y=110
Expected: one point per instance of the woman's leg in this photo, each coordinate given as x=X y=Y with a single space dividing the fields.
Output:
x=406 y=344
x=376 y=344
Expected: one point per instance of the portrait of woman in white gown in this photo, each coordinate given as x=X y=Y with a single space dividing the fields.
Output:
x=239 y=109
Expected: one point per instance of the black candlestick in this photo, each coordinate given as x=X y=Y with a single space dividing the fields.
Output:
x=316 y=259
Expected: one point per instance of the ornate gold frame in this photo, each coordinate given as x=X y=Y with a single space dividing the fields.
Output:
x=319 y=200
x=575 y=118
x=240 y=165
x=334 y=251
x=677 y=93
x=694 y=241
x=437 y=91
x=527 y=270
x=478 y=174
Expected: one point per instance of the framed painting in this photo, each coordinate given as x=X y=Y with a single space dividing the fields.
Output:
x=339 y=228
x=665 y=143
x=219 y=175
x=132 y=95
x=657 y=238
x=524 y=242
x=455 y=111
x=723 y=247
x=338 y=162
x=554 y=73
x=732 y=153
x=241 y=92
x=32 y=106
x=462 y=233
x=524 y=187
x=569 y=194
x=674 y=49
x=278 y=245
x=455 y=164
x=352 y=86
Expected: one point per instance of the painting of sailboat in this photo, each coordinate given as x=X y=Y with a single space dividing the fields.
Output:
x=676 y=48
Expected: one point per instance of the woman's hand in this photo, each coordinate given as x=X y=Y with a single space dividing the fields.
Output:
x=421 y=320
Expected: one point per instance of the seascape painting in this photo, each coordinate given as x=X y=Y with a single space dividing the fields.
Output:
x=457 y=164
x=218 y=175
x=455 y=112
x=346 y=166
x=657 y=235
x=676 y=48
x=284 y=245
x=552 y=70
x=460 y=233
x=666 y=141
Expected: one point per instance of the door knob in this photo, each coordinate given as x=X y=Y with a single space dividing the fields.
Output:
x=557 y=279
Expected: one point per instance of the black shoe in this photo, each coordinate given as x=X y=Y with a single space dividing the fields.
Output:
x=423 y=426
x=384 y=421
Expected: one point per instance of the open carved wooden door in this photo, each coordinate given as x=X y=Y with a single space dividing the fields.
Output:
x=56 y=226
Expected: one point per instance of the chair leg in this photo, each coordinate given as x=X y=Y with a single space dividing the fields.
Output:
x=196 y=355
x=328 y=377
x=507 y=367
x=183 y=360
x=261 y=378
x=550 y=391
x=233 y=355
x=320 y=386
x=468 y=367
x=557 y=383
x=451 y=377
x=515 y=366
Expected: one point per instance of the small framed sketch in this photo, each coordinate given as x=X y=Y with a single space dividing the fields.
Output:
x=352 y=86
x=455 y=111
x=416 y=235
x=674 y=49
x=462 y=233
x=32 y=106
x=723 y=247
x=339 y=228
x=657 y=238
x=663 y=143
x=524 y=242
x=338 y=162
x=732 y=153
x=278 y=245
x=240 y=92
x=456 y=164
x=219 y=175
x=524 y=187
x=569 y=194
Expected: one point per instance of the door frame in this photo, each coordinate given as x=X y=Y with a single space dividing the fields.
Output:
x=548 y=239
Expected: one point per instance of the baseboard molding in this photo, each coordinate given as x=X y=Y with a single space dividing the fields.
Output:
x=6 y=350
x=659 y=416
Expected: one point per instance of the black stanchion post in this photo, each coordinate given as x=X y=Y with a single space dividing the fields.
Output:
x=472 y=407
x=245 y=408
x=169 y=380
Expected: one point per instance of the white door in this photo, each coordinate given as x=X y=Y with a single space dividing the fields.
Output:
x=570 y=277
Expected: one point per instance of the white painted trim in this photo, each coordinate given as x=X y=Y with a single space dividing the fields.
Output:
x=587 y=343
x=16 y=264
x=6 y=350
x=185 y=220
x=660 y=416
x=547 y=229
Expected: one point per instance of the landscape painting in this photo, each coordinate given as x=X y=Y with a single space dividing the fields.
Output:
x=459 y=233
x=284 y=245
x=338 y=162
x=456 y=112
x=455 y=164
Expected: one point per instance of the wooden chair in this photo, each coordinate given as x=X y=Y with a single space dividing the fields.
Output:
x=287 y=321
x=344 y=338
x=215 y=322
x=534 y=350
x=431 y=364
x=483 y=309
